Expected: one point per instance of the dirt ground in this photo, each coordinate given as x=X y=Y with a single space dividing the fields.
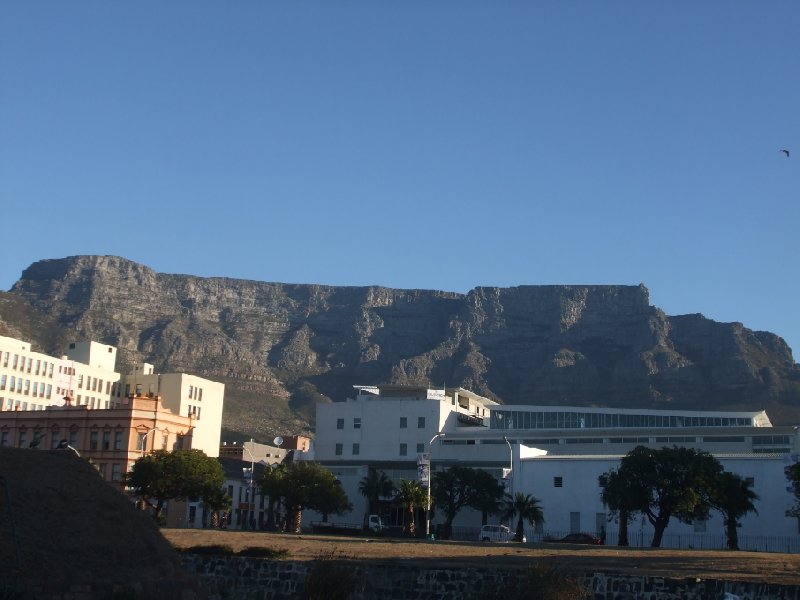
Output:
x=740 y=566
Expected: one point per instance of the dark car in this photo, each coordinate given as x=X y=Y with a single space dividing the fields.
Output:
x=581 y=538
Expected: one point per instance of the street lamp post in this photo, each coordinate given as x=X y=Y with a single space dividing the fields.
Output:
x=510 y=468
x=430 y=484
x=144 y=438
x=252 y=474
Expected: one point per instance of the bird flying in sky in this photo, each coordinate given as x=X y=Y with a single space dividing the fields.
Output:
x=785 y=151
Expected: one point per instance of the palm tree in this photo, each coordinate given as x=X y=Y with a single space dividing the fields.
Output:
x=733 y=497
x=526 y=508
x=373 y=487
x=411 y=494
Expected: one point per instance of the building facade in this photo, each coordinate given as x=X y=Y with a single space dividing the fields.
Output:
x=85 y=376
x=113 y=439
x=534 y=448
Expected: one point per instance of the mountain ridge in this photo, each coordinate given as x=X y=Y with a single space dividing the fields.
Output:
x=280 y=348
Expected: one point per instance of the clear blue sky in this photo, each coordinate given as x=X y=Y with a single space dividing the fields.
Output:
x=413 y=144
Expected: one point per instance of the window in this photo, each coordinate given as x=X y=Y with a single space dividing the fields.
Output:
x=73 y=438
x=4 y=439
x=116 y=472
x=356 y=449
x=106 y=440
x=420 y=448
x=103 y=469
x=23 y=439
x=403 y=449
x=191 y=391
x=357 y=423
x=55 y=438
x=403 y=422
x=421 y=423
x=339 y=423
x=93 y=440
x=117 y=440
x=558 y=481
x=339 y=449
x=3 y=379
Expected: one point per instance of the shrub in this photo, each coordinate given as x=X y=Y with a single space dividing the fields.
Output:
x=218 y=549
x=540 y=582
x=332 y=578
x=261 y=552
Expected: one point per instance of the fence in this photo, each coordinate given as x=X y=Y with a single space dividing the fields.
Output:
x=643 y=538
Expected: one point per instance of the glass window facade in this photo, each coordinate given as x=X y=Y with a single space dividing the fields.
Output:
x=522 y=419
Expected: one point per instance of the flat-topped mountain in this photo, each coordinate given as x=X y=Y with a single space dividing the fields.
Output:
x=280 y=348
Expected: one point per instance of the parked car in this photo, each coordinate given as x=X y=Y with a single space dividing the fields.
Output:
x=497 y=533
x=581 y=538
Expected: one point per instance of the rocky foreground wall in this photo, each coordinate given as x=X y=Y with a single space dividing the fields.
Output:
x=238 y=578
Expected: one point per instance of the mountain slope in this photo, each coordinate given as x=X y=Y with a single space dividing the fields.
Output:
x=280 y=348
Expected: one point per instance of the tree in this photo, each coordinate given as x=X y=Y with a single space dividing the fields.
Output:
x=733 y=497
x=619 y=494
x=310 y=485
x=670 y=482
x=793 y=475
x=373 y=487
x=181 y=474
x=487 y=495
x=412 y=495
x=216 y=502
x=271 y=485
x=526 y=508
x=459 y=487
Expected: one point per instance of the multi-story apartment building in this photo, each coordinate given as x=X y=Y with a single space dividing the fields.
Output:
x=184 y=394
x=85 y=376
x=33 y=381
x=536 y=449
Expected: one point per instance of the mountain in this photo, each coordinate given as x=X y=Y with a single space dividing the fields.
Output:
x=281 y=348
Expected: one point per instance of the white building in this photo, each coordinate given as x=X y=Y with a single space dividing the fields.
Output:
x=33 y=381
x=86 y=376
x=184 y=394
x=386 y=428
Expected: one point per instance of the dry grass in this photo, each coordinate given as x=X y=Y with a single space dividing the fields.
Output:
x=742 y=566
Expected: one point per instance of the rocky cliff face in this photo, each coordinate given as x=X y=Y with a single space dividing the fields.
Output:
x=281 y=348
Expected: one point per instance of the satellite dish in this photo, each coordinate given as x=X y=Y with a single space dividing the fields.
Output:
x=278 y=441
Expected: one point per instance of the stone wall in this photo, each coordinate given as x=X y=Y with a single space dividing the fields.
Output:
x=237 y=578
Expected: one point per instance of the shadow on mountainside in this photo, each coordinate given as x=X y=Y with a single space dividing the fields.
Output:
x=62 y=526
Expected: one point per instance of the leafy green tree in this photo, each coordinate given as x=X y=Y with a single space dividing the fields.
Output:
x=487 y=494
x=793 y=475
x=620 y=495
x=216 y=501
x=526 y=508
x=271 y=485
x=458 y=487
x=412 y=495
x=310 y=485
x=181 y=474
x=373 y=487
x=733 y=497
x=670 y=482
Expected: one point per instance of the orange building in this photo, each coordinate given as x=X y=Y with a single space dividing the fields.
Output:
x=111 y=438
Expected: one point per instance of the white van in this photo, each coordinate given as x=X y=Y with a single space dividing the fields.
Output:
x=497 y=533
